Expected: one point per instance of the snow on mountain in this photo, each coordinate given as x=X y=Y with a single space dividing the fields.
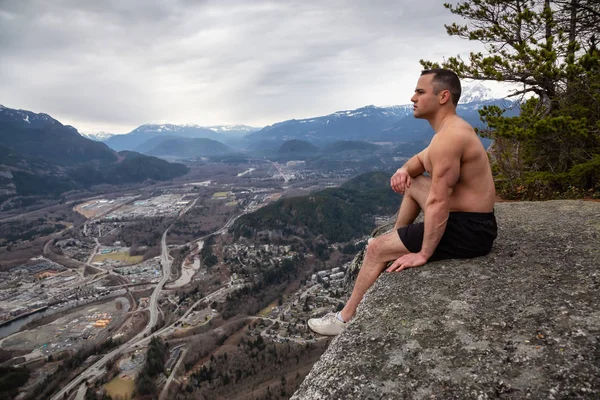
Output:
x=98 y=136
x=164 y=127
x=363 y=112
x=475 y=92
x=136 y=138
x=174 y=128
x=229 y=128
x=359 y=124
x=26 y=116
x=367 y=111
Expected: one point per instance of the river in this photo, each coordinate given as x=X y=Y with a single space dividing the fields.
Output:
x=16 y=325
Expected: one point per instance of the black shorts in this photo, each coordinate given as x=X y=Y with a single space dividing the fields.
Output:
x=467 y=235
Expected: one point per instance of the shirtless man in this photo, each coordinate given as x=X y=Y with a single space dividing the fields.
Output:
x=457 y=198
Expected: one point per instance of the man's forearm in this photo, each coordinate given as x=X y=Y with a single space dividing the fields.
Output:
x=436 y=218
x=414 y=166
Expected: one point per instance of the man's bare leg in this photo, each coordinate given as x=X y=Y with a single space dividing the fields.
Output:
x=413 y=201
x=388 y=247
x=380 y=251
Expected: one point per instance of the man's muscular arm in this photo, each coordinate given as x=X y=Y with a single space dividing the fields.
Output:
x=445 y=155
x=414 y=166
x=411 y=169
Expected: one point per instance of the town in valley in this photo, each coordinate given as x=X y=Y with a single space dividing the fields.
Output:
x=162 y=265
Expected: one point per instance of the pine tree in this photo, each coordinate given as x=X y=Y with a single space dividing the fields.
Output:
x=549 y=48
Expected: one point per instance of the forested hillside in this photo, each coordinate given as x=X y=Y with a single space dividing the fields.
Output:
x=39 y=156
x=338 y=214
x=351 y=145
x=297 y=147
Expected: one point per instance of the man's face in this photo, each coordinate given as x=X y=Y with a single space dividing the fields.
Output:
x=425 y=101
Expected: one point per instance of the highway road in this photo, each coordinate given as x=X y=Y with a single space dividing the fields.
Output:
x=153 y=303
x=97 y=369
x=81 y=392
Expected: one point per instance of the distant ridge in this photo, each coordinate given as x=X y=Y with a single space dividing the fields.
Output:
x=98 y=136
x=296 y=146
x=39 y=135
x=374 y=124
x=39 y=156
x=183 y=147
x=349 y=125
x=351 y=145
x=143 y=133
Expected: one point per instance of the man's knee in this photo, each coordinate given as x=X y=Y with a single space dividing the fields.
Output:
x=373 y=247
x=379 y=249
x=419 y=188
x=420 y=184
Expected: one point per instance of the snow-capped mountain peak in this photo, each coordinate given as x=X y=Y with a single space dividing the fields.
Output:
x=475 y=92
x=98 y=136
x=228 y=128
x=163 y=126
x=166 y=126
x=363 y=112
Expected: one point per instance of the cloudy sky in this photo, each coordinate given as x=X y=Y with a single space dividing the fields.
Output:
x=113 y=65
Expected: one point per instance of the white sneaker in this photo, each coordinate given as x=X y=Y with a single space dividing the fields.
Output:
x=328 y=325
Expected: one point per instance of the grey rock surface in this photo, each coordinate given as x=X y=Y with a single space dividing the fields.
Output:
x=522 y=322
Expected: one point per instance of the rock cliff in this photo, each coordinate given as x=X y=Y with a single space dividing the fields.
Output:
x=522 y=322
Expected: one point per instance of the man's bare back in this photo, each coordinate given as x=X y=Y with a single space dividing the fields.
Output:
x=474 y=190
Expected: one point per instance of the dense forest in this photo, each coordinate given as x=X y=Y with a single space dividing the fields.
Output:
x=155 y=364
x=10 y=381
x=549 y=50
x=338 y=214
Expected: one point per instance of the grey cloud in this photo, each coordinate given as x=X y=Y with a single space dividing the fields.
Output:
x=124 y=63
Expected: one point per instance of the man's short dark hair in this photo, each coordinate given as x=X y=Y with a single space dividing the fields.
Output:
x=444 y=79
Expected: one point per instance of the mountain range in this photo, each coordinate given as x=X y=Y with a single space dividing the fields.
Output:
x=39 y=135
x=40 y=156
x=393 y=124
x=359 y=124
x=177 y=146
x=137 y=137
x=372 y=123
x=97 y=136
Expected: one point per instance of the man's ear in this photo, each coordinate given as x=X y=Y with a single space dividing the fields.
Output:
x=445 y=97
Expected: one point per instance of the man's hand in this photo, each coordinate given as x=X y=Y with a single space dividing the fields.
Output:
x=400 y=181
x=409 y=260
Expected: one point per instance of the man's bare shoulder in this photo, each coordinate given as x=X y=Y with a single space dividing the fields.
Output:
x=455 y=133
x=456 y=127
